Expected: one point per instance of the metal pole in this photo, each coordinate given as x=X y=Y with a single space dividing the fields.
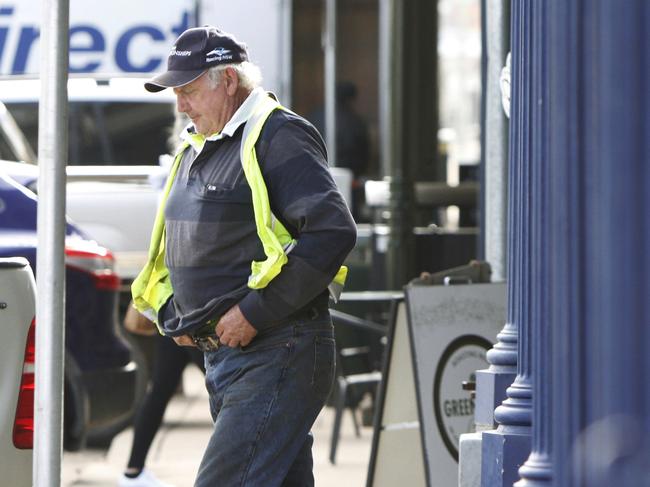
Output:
x=197 y=12
x=286 y=30
x=330 y=79
x=50 y=311
x=496 y=139
x=393 y=162
x=491 y=384
x=386 y=88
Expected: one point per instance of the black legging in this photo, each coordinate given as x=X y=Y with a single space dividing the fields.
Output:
x=169 y=362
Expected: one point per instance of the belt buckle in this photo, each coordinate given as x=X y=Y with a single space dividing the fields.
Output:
x=206 y=344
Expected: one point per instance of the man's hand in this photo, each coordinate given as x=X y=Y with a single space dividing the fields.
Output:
x=234 y=330
x=184 y=341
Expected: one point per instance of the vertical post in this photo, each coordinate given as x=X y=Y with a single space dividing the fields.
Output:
x=566 y=171
x=600 y=241
x=50 y=283
x=286 y=31
x=497 y=42
x=330 y=80
x=391 y=44
x=505 y=449
x=537 y=471
x=388 y=92
x=491 y=383
x=408 y=121
x=197 y=12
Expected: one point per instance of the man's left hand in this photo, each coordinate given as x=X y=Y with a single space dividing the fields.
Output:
x=234 y=330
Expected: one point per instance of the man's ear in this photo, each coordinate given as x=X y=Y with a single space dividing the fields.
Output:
x=231 y=80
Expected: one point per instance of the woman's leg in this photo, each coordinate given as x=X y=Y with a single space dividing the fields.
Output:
x=169 y=362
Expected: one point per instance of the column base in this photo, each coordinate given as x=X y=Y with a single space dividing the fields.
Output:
x=536 y=472
x=502 y=453
x=490 y=392
x=469 y=460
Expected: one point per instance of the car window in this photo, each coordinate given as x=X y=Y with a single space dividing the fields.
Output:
x=13 y=143
x=6 y=151
x=107 y=133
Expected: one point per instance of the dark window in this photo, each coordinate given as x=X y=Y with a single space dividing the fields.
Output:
x=6 y=151
x=107 y=133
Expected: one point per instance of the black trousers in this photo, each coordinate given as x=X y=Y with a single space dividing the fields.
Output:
x=169 y=362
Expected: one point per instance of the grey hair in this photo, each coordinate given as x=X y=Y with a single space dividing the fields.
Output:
x=249 y=74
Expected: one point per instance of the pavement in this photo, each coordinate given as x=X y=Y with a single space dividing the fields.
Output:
x=178 y=447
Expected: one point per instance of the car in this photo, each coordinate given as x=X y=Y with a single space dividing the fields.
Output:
x=17 y=310
x=103 y=380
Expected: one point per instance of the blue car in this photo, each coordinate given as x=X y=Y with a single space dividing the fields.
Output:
x=102 y=381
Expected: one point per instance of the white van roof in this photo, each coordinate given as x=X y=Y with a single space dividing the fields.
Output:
x=113 y=89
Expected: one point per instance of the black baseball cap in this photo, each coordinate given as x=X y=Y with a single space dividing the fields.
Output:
x=196 y=50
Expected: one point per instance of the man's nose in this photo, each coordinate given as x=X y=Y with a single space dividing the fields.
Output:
x=181 y=106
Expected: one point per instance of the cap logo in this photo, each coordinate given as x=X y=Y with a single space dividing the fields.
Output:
x=218 y=54
x=174 y=52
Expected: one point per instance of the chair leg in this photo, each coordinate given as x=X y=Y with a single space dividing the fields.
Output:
x=357 y=431
x=340 y=407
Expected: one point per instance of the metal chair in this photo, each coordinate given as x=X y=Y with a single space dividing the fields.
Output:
x=346 y=382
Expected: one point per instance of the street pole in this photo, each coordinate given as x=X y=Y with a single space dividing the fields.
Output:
x=330 y=80
x=286 y=31
x=393 y=164
x=491 y=383
x=496 y=138
x=50 y=265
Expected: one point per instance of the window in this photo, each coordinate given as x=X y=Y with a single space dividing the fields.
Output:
x=6 y=150
x=107 y=133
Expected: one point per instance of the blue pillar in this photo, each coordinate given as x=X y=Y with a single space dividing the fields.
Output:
x=505 y=449
x=537 y=471
x=599 y=207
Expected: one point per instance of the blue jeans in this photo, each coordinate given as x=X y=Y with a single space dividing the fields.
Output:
x=264 y=399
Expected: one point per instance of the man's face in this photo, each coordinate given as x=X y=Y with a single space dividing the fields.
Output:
x=209 y=108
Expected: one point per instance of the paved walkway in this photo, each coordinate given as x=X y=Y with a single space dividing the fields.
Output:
x=177 y=449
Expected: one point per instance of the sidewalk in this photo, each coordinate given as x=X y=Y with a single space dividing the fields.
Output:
x=175 y=455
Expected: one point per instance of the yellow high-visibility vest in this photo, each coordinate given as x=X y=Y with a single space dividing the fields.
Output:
x=152 y=287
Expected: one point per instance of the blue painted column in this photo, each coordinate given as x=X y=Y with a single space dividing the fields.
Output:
x=537 y=471
x=505 y=449
x=599 y=207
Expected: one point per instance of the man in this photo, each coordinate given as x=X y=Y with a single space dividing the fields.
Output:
x=251 y=234
x=352 y=143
